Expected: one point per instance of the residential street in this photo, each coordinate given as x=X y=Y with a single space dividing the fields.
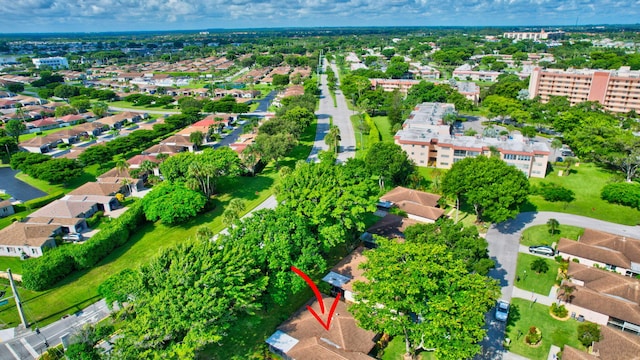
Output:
x=504 y=245
x=29 y=345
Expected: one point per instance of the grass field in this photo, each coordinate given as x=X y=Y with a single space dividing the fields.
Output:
x=529 y=280
x=11 y=262
x=523 y=315
x=383 y=125
x=80 y=289
x=128 y=105
x=540 y=235
x=362 y=140
x=586 y=181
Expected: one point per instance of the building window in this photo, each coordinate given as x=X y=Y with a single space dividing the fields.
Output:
x=444 y=163
x=444 y=156
x=459 y=153
x=509 y=156
x=524 y=158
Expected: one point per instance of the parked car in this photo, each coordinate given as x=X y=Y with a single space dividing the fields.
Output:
x=73 y=237
x=502 y=310
x=567 y=153
x=542 y=250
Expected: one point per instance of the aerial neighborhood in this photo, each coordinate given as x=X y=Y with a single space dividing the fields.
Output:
x=321 y=193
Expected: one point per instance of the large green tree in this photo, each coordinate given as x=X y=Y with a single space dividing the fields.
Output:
x=423 y=294
x=390 y=162
x=14 y=128
x=494 y=189
x=189 y=296
x=172 y=203
x=334 y=201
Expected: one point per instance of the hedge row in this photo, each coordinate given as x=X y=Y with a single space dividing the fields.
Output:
x=627 y=194
x=374 y=133
x=44 y=272
x=38 y=203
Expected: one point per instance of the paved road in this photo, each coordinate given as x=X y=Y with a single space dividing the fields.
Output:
x=341 y=118
x=29 y=345
x=504 y=245
x=17 y=188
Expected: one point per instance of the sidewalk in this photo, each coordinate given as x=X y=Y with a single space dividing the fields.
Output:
x=531 y=296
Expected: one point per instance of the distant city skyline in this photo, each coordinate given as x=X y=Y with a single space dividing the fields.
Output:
x=40 y=16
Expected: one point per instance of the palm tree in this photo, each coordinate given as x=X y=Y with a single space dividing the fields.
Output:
x=553 y=225
x=232 y=213
x=196 y=137
x=332 y=139
x=148 y=166
x=565 y=292
x=204 y=233
x=122 y=165
x=250 y=157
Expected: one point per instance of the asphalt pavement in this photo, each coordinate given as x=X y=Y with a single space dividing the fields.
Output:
x=504 y=245
x=27 y=344
x=17 y=188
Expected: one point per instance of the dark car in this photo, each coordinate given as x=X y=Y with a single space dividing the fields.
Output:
x=542 y=250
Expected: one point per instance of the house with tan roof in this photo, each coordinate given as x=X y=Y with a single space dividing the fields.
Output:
x=122 y=178
x=98 y=188
x=345 y=274
x=92 y=128
x=613 y=344
x=70 y=216
x=68 y=136
x=303 y=338
x=603 y=297
x=40 y=144
x=180 y=142
x=29 y=239
x=612 y=252
x=6 y=208
x=419 y=205
x=162 y=149
x=390 y=226
x=43 y=124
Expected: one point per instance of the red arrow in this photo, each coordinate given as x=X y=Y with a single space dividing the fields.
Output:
x=313 y=287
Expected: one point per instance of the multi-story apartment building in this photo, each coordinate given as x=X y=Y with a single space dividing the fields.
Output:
x=616 y=90
x=403 y=85
x=535 y=36
x=429 y=142
x=56 y=62
x=466 y=72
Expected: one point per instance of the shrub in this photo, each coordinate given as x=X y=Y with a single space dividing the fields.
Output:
x=559 y=311
x=627 y=194
x=94 y=220
x=42 y=201
x=534 y=336
x=54 y=265
x=588 y=333
x=554 y=193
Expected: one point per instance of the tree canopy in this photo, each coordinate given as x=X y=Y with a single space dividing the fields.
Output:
x=422 y=293
x=494 y=189
x=390 y=162
x=172 y=203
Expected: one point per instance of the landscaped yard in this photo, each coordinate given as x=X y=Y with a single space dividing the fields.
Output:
x=586 y=180
x=362 y=140
x=523 y=315
x=529 y=280
x=90 y=173
x=11 y=262
x=128 y=105
x=395 y=351
x=540 y=235
x=383 y=125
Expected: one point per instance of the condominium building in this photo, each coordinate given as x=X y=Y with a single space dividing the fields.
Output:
x=535 y=36
x=403 y=85
x=429 y=142
x=56 y=62
x=616 y=90
x=466 y=72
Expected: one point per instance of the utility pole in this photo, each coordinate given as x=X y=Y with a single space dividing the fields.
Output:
x=17 y=298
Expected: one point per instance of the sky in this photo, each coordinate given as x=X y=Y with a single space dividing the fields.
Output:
x=37 y=16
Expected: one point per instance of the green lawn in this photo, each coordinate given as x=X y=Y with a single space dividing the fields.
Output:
x=523 y=315
x=529 y=280
x=383 y=125
x=90 y=173
x=586 y=180
x=11 y=262
x=540 y=235
x=80 y=289
x=395 y=351
x=128 y=105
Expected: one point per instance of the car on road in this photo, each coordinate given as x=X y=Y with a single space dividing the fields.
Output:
x=542 y=250
x=502 y=310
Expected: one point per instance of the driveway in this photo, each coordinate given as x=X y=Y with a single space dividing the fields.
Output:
x=504 y=245
x=17 y=188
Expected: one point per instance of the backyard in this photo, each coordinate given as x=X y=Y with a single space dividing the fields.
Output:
x=586 y=181
x=525 y=314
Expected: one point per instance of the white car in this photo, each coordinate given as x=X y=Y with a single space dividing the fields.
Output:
x=502 y=310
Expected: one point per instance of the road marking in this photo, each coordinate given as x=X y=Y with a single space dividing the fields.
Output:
x=13 y=352
x=29 y=348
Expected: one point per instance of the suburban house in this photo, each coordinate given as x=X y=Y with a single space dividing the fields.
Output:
x=105 y=203
x=391 y=226
x=69 y=215
x=43 y=124
x=121 y=178
x=29 y=239
x=6 y=208
x=180 y=142
x=98 y=188
x=136 y=161
x=68 y=136
x=303 y=338
x=118 y=120
x=419 y=205
x=71 y=119
x=345 y=274
x=597 y=248
x=603 y=297
x=163 y=149
x=92 y=128
x=243 y=142
x=613 y=344
x=40 y=144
